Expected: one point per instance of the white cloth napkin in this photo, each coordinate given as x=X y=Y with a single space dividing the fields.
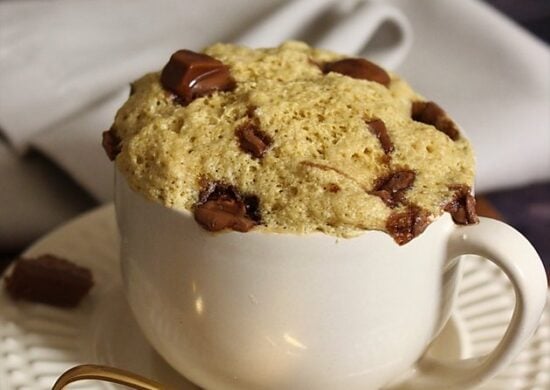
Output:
x=65 y=66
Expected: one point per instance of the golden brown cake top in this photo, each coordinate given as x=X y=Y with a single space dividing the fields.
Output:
x=291 y=139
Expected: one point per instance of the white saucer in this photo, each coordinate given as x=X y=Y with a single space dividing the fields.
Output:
x=38 y=343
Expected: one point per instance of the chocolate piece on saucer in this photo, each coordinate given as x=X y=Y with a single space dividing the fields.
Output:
x=50 y=280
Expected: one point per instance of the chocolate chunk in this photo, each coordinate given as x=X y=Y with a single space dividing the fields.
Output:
x=216 y=190
x=463 y=206
x=216 y=215
x=190 y=75
x=358 y=68
x=221 y=207
x=378 y=128
x=252 y=204
x=406 y=225
x=49 y=279
x=111 y=144
x=431 y=114
x=332 y=187
x=391 y=188
x=252 y=140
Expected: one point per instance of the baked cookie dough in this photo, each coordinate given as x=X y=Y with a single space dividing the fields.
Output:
x=291 y=139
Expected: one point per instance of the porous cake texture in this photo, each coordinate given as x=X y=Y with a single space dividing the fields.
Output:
x=316 y=146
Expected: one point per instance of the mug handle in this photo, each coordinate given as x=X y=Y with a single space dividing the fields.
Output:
x=510 y=251
x=108 y=374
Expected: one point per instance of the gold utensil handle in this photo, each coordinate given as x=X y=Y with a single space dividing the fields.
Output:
x=109 y=374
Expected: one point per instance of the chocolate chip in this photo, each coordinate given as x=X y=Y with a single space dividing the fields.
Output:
x=378 y=128
x=252 y=140
x=406 y=225
x=190 y=75
x=252 y=205
x=216 y=190
x=332 y=187
x=49 y=279
x=216 y=215
x=132 y=89
x=358 y=68
x=463 y=206
x=391 y=188
x=221 y=207
x=431 y=114
x=111 y=143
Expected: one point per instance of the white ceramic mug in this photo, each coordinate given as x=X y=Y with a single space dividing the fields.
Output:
x=340 y=26
x=262 y=310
